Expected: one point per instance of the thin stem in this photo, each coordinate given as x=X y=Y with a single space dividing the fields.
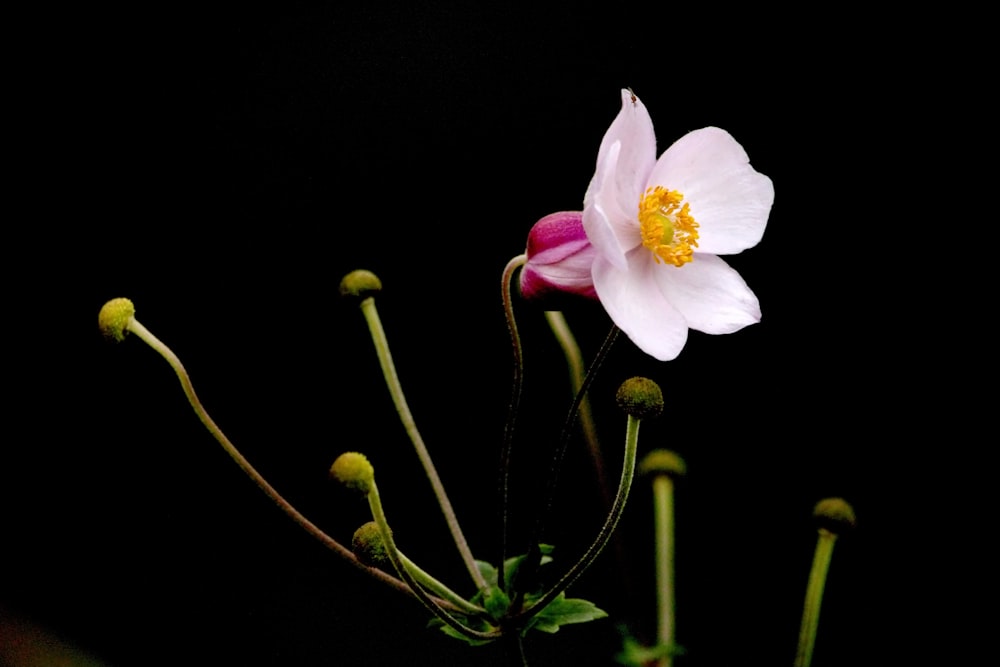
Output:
x=617 y=509
x=396 y=391
x=378 y=514
x=521 y=653
x=574 y=359
x=434 y=586
x=814 y=597
x=515 y=399
x=567 y=428
x=146 y=336
x=663 y=517
x=534 y=555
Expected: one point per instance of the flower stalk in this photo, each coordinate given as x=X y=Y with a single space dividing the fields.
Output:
x=534 y=555
x=435 y=587
x=412 y=578
x=515 y=398
x=834 y=515
x=406 y=417
x=574 y=360
x=663 y=466
x=617 y=508
x=663 y=512
x=814 y=597
x=132 y=325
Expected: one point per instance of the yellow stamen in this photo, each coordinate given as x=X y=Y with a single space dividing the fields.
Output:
x=668 y=229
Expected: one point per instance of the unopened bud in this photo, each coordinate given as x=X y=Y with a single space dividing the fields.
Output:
x=114 y=318
x=353 y=471
x=835 y=515
x=662 y=462
x=360 y=285
x=640 y=397
x=368 y=545
x=559 y=260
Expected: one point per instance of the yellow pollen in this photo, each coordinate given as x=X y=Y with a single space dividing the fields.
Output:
x=667 y=227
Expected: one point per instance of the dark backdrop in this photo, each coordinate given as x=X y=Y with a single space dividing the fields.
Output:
x=225 y=168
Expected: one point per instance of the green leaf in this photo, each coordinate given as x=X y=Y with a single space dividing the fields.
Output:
x=496 y=602
x=563 y=611
x=513 y=564
x=488 y=571
x=510 y=566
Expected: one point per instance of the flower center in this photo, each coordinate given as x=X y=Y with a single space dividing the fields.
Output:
x=668 y=229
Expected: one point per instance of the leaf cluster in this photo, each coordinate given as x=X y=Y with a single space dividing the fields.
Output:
x=496 y=600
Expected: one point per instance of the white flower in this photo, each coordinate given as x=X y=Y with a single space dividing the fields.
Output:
x=658 y=226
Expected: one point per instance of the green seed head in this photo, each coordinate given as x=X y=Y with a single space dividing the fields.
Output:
x=360 y=285
x=368 y=545
x=662 y=462
x=353 y=471
x=114 y=318
x=640 y=397
x=835 y=515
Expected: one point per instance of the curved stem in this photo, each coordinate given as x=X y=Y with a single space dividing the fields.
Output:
x=375 y=503
x=567 y=428
x=435 y=587
x=604 y=535
x=146 y=336
x=396 y=391
x=534 y=555
x=574 y=360
x=515 y=399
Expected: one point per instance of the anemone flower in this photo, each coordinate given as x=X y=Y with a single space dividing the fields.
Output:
x=658 y=227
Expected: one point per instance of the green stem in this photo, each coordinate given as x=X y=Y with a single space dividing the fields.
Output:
x=574 y=359
x=663 y=517
x=378 y=514
x=435 y=587
x=814 y=597
x=604 y=535
x=396 y=391
x=532 y=560
x=515 y=399
x=146 y=336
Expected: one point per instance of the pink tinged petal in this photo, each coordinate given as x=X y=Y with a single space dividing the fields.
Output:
x=571 y=276
x=729 y=199
x=559 y=258
x=626 y=155
x=638 y=307
x=710 y=294
x=603 y=220
x=633 y=129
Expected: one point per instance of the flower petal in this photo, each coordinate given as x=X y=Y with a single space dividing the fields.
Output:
x=638 y=307
x=626 y=155
x=555 y=236
x=559 y=258
x=709 y=293
x=569 y=277
x=729 y=199
x=603 y=219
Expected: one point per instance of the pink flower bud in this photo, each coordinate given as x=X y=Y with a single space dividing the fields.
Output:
x=559 y=258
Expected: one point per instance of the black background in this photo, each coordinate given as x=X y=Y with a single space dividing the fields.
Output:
x=224 y=168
